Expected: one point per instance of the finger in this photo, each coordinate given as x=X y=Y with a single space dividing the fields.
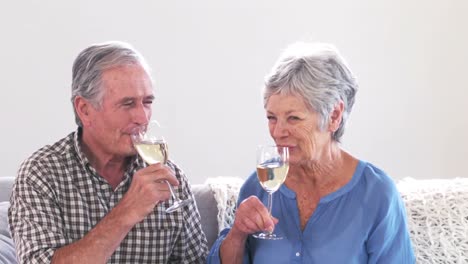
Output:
x=157 y=173
x=161 y=191
x=167 y=175
x=254 y=214
x=146 y=173
x=264 y=221
x=264 y=218
x=153 y=167
x=161 y=186
x=249 y=226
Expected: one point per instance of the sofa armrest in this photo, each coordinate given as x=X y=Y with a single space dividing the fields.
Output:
x=7 y=248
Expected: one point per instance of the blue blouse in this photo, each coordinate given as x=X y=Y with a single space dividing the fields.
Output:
x=362 y=222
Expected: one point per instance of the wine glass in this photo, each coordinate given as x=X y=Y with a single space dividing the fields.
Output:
x=272 y=169
x=152 y=147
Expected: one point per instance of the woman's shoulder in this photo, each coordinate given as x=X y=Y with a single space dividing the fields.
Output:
x=377 y=180
x=251 y=185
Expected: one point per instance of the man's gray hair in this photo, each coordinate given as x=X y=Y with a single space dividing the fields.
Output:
x=317 y=73
x=92 y=62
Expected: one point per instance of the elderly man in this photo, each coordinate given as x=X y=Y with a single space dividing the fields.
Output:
x=89 y=198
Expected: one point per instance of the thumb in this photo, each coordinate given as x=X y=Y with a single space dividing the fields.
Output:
x=275 y=220
x=271 y=226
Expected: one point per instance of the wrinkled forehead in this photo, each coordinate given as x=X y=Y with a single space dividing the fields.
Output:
x=288 y=97
x=286 y=102
x=127 y=81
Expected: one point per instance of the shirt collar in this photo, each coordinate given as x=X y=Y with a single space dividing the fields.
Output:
x=135 y=163
x=76 y=142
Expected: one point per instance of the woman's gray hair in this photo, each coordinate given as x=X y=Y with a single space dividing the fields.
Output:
x=92 y=62
x=317 y=73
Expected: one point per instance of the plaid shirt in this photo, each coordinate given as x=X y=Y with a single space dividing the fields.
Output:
x=58 y=197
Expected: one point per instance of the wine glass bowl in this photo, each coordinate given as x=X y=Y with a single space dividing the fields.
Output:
x=272 y=169
x=152 y=148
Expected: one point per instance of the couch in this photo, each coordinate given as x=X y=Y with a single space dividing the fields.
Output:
x=437 y=213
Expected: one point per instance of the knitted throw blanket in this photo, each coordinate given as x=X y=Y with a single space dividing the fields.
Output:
x=226 y=191
x=437 y=212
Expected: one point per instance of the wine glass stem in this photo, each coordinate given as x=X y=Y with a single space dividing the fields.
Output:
x=270 y=202
x=171 y=190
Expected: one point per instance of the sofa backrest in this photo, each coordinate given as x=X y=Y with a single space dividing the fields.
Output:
x=6 y=182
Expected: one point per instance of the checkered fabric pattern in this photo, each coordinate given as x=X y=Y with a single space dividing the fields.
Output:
x=58 y=197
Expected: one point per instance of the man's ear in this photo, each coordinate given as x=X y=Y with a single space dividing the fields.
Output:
x=83 y=109
x=336 y=116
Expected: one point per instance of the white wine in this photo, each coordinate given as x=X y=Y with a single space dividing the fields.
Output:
x=272 y=175
x=153 y=151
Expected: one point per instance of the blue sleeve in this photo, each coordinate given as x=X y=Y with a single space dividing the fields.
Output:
x=245 y=191
x=213 y=256
x=389 y=240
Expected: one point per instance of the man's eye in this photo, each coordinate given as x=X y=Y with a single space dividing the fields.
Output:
x=148 y=102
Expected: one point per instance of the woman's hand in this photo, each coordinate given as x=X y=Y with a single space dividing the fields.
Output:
x=252 y=216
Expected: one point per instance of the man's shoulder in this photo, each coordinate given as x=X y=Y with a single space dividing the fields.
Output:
x=49 y=154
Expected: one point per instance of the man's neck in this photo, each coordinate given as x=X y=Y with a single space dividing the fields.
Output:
x=108 y=166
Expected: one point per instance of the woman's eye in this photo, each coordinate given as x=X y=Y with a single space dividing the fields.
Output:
x=294 y=118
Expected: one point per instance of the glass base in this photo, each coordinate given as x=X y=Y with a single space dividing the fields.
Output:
x=267 y=236
x=177 y=205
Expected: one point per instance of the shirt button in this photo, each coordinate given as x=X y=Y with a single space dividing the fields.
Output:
x=298 y=254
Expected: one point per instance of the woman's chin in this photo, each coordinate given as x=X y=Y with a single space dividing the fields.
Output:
x=294 y=161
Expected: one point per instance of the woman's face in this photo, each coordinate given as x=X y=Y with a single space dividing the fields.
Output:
x=294 y=125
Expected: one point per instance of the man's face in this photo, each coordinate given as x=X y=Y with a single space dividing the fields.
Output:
x=127 y=101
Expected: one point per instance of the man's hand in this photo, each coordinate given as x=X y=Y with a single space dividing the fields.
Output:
x=148 y=188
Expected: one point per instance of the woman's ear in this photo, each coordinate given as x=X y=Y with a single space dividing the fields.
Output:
x=336 y=116
x=83 y=108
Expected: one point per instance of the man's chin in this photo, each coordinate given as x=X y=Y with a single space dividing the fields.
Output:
x=130 y=152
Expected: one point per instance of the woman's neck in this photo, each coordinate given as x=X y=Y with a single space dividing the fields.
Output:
x=324 y=175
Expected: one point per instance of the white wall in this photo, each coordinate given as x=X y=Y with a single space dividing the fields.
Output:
x=209 y=58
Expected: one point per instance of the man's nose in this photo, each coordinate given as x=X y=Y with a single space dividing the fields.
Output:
x=141 y=115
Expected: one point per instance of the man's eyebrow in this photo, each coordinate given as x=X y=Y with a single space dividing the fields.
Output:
x=150 y=97
x=129 y=99
x=125 y=99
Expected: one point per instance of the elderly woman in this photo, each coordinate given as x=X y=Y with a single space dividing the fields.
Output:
x=333 y=207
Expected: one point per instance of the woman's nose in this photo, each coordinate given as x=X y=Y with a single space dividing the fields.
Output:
x=280 y=130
